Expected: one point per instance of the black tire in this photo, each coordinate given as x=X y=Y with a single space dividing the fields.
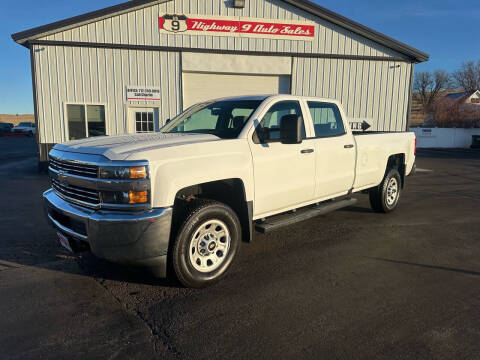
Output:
x=199 y=213
x=381 y=198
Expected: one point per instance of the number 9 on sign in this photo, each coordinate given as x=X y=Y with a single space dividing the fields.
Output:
x=175 y=25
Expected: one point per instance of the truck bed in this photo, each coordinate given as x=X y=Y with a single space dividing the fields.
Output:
x=373 y=152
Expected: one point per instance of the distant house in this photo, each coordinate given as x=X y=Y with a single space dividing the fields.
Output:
x=466 y=97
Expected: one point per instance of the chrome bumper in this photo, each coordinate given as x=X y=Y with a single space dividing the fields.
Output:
x=122 y=237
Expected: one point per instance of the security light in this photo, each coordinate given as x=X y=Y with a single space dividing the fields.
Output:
x=239 y=4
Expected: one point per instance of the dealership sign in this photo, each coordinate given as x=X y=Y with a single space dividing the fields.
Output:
x=143 y=93
x=236 y=27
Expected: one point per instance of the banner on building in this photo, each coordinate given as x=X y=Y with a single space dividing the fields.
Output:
x=236 y=27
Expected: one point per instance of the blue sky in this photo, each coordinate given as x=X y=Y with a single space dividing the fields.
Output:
x=446 y=29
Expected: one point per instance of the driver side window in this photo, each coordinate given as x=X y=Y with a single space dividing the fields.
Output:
x=269 y=128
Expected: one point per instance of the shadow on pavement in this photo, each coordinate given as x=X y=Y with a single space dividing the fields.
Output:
x=357 y=209
x=102 y=269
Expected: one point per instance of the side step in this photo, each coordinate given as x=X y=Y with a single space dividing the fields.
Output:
x=279 y=221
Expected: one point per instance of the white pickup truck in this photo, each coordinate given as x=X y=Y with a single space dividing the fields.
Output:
x=183 y=199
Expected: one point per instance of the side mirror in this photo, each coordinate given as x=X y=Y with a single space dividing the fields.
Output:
x=291 y=129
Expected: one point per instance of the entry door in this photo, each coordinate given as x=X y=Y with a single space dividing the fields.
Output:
x=335 y=151
x=284 y=174
x=143 y=120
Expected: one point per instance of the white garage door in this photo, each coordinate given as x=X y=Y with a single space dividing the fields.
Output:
x=199 y=87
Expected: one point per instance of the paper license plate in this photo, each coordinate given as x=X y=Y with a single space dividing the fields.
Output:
x=64 y=242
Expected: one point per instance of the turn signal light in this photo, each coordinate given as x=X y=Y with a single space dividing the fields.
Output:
x=138 y=172
x=137 y=197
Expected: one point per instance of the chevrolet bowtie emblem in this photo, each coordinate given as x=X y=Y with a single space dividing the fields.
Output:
x=62 y=178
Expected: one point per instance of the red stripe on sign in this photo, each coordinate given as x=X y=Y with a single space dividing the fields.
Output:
x=142 y=99
x=251 y=27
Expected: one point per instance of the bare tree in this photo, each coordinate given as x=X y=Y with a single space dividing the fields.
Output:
x=468 y=76
x=450 y=113
x=428 y=86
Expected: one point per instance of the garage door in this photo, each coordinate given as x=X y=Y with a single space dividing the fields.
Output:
x=199 y=87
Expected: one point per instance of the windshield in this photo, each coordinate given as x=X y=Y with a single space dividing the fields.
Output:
x=25 y=124
x=224 y=119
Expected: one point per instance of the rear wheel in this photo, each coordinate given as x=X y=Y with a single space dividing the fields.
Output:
x=384 y=198
x=206 y=244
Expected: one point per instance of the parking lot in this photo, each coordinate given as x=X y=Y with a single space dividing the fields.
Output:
x=352 y=284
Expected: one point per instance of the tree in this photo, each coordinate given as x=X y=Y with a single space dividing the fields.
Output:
x=428 y=86
x=468 y=76
x=450 y=113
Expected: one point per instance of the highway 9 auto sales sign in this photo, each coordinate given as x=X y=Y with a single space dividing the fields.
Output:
x=236 y=27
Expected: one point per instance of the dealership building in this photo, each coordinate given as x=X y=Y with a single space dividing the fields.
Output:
x=131 y=67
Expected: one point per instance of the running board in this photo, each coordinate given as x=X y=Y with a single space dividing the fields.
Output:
x=279 y=221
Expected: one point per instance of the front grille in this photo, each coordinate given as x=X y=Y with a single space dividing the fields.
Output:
x=74 y=168
x=77 y=193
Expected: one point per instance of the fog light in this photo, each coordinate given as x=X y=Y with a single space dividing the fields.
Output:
x=137 y=197
x=138 y=172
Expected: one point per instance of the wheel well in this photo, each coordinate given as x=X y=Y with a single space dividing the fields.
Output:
x=397 y=161
x=229 y=191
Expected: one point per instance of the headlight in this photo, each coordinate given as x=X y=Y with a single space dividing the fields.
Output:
x=123 y=173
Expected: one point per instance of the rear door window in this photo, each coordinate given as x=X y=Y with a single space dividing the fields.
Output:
x=326 y=118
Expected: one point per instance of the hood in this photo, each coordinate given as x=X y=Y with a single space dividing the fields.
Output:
x=120 y=147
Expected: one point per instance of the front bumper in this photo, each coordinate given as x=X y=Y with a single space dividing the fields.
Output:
x=139 y=239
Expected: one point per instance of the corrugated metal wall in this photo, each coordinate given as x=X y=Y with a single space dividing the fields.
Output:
x=368 y=89
x=376 y=90
x=141 y=28
x=100 y=76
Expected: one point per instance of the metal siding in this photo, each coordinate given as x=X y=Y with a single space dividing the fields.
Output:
x=81 y=75
x=367 y=89
x=140 y=27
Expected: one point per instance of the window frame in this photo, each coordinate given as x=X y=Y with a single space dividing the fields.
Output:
x=345 y=131
x=254 y=136
x=84 y=104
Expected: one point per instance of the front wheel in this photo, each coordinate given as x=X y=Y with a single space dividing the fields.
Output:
x=206 y=244
x=384 y=198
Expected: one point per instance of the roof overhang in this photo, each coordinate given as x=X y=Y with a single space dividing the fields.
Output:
x=26 y=36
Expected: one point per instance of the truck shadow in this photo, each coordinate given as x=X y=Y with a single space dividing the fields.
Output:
x=356 y=209
x=103 y=270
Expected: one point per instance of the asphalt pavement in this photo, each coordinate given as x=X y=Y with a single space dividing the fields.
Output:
x=350 y=285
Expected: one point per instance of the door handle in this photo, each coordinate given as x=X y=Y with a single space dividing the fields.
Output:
x=349 y=146
x=307 y=151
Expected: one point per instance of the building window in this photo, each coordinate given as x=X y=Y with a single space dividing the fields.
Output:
x=144 y=122
x=475 y=100
x=85 y=121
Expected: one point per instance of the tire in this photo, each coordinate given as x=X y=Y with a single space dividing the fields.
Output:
x=206 y=244
x=385 y=197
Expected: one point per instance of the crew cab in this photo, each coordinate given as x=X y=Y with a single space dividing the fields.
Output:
x=184 y=198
